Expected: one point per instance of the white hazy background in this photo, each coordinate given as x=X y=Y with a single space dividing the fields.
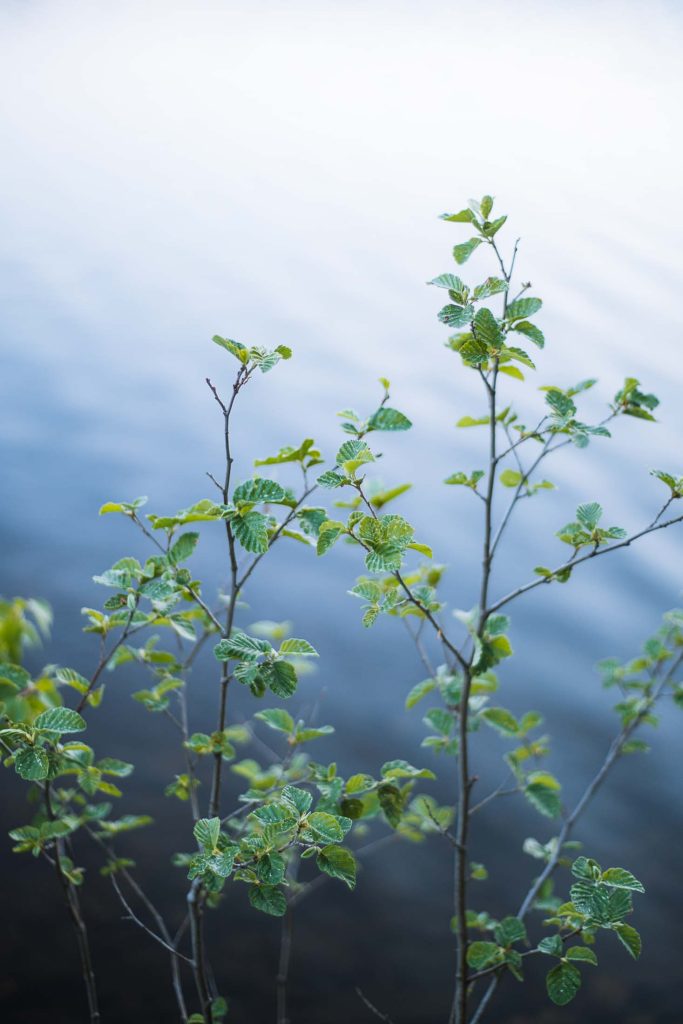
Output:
x=273 y=172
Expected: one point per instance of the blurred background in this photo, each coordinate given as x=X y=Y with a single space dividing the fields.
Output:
x=273 y=172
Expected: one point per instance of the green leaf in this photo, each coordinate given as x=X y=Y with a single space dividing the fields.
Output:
x=470 y=421
x=589 y=515
x=621 y=879
x=551 y=945
x=403 y=770
x=422 y=549
x=630 y=938
x=543 y=799
x=127 y=507
x=305 y=451
x=456 y=316
x=251 y=530
x=360 y=784
x=520 y=309
x=389 y=419
x=16 y=676
x=329 y=532
x=60 y=720
x=520 y=355
x=32 y=764
x=462 y=252
x=586 y=867
x=419 y=691
x=325 y=827
x=510 y=478
x=510 y=930
x=183 y=548
x=280 y=677
x=494 y=227
x=240 y=645
x=112 y=766
x=330 y=479
x=560 y=403
x=259 y=490
x=385 y=557
x=219 y=1007
x=511 y=371
x=530 y=331
x=300 y=647
x=354 y=452
x=391 y=802
x=502 y=720
x=491 y=286
x=439 y=719
x=482 y=954
x=271 y=868
x=207 y=831
x=268 y=899
x=604 y=904
x=451 y=282
x=235 y=348
x=338 y=862
x=383 y=498
x=562 y=983
x=277 y=719
x=582 y=953
x=299 y=799
x=486 y=329
x=465 y=216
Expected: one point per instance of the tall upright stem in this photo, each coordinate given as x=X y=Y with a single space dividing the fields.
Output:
x=199 y=970
x=74 y=907
x=196 y=896
x=459 y=1008
x=283 y=966
x=465 y=781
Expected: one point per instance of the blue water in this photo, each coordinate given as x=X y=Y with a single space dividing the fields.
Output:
x=275 y=177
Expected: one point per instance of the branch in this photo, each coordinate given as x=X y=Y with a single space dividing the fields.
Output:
x=373 y=1009
x=141 y=924
x=654 y=525
x=74 y=907
x=105 y=659
x=283 y=525
x=411 y=597
x=612 y=755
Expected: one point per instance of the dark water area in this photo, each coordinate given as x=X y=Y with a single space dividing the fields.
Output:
x=391 y=937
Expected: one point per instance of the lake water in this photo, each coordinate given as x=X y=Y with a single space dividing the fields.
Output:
x=275 y=177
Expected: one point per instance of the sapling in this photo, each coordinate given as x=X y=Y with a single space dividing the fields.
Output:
x=159 y=617
x=293 y=808
x=489 y=344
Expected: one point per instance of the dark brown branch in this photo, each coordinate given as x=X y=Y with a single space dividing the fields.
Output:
x=76 y=915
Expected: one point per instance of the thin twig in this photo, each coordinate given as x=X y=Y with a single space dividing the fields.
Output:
x=594 y=553
x=611 y=757
x=373 y=1009
x=74 y=908
x=141 y=924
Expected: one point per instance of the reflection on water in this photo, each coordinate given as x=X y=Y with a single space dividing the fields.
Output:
x=124 y=269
